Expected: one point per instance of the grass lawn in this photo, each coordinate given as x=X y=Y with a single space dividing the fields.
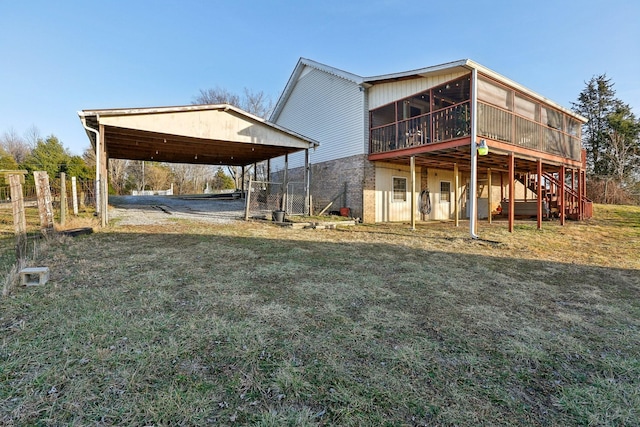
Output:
x=368 y=325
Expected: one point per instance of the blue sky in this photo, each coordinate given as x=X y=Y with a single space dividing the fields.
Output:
x=58 y=57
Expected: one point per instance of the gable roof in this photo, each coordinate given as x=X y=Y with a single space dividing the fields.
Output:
x=297 y=72
x=202 y=134
x=367 y=82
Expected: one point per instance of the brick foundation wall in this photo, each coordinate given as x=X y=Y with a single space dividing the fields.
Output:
x=350 y=180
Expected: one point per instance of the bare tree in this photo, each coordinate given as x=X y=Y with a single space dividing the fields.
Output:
x=256 y=103
x=190 y=178
x=118 y=174
x=15 y=146
x=32 y=136
x=217 y=96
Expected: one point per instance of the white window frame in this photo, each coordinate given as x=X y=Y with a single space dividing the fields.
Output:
x=393 y=189
x=448 y=194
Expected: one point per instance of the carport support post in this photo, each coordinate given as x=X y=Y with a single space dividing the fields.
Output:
x=101 y=185
x=307 y=195
x=247 y=201
x=285 y=182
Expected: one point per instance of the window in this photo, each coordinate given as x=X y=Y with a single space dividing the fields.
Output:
x=399 y=189
x=445 y=191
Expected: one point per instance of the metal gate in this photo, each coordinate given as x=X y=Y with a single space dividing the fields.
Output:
x=295 y=199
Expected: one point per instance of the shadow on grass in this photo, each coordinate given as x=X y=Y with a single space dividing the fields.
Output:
x=279 y=328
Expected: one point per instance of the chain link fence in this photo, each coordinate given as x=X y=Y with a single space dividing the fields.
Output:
x=265 y=197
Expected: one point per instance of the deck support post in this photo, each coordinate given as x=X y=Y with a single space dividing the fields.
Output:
x=456 y=195
x=512 y=192
x=489 y=197
x=580 y=191
x=539 y=193
x=561 y=195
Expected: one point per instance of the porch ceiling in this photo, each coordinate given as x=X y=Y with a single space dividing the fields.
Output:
x=460 y=152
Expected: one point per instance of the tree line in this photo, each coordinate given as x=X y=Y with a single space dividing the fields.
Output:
x=32 y=152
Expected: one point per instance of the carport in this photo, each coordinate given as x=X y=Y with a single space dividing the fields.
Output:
x=200 y=134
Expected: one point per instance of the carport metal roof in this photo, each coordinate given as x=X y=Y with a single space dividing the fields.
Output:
x=205 y=134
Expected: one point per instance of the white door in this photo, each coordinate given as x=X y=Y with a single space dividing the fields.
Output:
x=444 y=200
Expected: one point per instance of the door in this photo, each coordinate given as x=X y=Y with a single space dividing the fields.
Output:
x=444 y=200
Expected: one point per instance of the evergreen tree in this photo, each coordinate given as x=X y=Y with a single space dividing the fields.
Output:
x=612 y=141
x=596 y=102
x=48 y=155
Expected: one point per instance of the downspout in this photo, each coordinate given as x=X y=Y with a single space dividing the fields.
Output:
x=97 y=134
x=473 y=211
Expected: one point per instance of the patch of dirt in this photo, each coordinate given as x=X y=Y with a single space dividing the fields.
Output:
x=155 y=210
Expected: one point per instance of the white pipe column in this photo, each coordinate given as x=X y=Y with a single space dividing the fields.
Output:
x=97 y=183
x=473 y=209
x=413 y=192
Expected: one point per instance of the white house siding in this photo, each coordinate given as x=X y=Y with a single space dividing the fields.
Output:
x=388 y=209
x=329 y=109
x=384 y=93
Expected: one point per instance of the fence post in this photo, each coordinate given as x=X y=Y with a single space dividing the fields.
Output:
x=19 y=220
x=45 y=206
x=63 y=198
x=74 y=195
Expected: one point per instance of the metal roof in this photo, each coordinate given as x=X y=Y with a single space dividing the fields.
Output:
x=463 y=64
x=203 y=134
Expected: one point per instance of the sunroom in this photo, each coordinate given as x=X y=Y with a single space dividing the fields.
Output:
x=534 y=149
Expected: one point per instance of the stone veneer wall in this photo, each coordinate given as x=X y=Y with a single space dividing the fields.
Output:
x=330 y=179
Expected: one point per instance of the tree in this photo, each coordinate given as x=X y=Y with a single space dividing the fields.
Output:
x=118 y=174
x=48 y=155
x=217 y=96
x=256 y=103
x=7 y=162
x=596 y=102
x=611 y=138
x=222 y=181
x=14 y=145
x=76 y=166
x=623 y=153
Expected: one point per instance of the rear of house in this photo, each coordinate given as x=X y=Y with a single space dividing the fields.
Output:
x=403 y=146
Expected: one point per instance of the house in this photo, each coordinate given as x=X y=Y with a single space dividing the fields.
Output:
x=404 y=146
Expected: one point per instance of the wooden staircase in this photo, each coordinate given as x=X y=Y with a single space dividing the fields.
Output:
x=576 y=206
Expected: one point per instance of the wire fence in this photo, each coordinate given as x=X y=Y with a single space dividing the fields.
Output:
x=265 y=199
x=85 y=189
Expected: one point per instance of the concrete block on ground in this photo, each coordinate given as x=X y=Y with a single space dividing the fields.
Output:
x=34 y=276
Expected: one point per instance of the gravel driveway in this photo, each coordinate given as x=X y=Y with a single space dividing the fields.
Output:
x=145 y=210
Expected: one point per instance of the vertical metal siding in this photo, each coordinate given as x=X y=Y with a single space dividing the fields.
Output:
x=386 y=208
x=328 y=109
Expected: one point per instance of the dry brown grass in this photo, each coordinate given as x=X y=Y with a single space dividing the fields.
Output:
x=185 y=323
